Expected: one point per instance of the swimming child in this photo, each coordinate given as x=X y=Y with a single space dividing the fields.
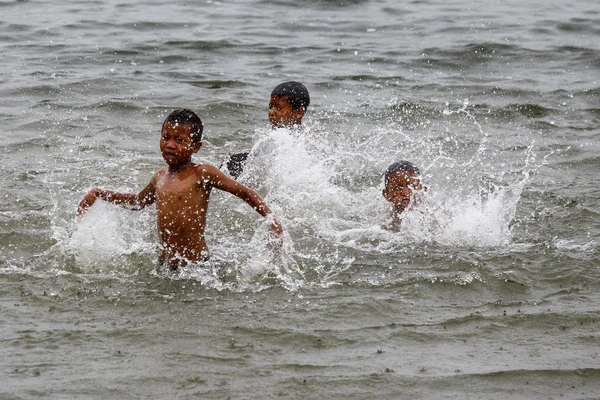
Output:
x=402 y=183
x=181 y=193
x=287 y=106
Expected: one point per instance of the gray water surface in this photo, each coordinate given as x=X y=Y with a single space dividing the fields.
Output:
x=490 y=290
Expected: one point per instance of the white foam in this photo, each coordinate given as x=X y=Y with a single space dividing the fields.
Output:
x=106 y=232
x=462 y=205
x=325 y=186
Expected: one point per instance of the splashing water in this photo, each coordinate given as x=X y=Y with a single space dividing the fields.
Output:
x=324 y=192
x=108 y=232
x=325 y=186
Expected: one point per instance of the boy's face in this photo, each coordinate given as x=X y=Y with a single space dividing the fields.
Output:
x=176 y=144
x=400 y=189
x=281 y=114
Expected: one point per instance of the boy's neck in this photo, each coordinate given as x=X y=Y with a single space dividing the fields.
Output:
x=180 y=167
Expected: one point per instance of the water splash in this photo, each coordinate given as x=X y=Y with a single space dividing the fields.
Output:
x=325 y=186
x=324 y=192
x=107 y=232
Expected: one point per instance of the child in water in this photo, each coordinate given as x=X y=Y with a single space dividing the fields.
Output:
x=402 y=183
x=287 y=106
x=181 y=193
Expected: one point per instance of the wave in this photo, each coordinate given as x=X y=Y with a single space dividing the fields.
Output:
x=528 y=110
x=200 y=45
x=580 y=25
x=476 y=55
x=320 y=4
x=218 y=84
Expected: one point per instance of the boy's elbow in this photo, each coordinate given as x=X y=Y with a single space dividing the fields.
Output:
x=256 y=201
x=138 y=204
x=142 y=204
x=245 y=193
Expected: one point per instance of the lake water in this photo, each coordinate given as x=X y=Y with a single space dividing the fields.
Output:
x=491 y=289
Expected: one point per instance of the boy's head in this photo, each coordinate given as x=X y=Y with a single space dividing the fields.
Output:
x=180 y=137
x=288 y=104
x=401 y=180
x=187 y=118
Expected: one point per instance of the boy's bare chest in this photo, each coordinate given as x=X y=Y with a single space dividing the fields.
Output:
x=175 y=189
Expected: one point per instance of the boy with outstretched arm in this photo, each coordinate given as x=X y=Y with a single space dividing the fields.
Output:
x=287 y=106
x=181 y=193
x=402 y=189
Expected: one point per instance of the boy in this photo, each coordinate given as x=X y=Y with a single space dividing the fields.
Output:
x=287 y=106
x=181 y=193
x=402 y=179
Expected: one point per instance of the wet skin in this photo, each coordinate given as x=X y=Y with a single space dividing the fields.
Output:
x=400 y=190
x=282 y=115
x=181 y=193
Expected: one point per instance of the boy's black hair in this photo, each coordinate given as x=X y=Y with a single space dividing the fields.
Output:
x=398 y=167
x=294 y=92
x=187 y=117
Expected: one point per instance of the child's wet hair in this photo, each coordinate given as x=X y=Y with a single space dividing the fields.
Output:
x=399 y=167
x=294 y=92
x=187 y=117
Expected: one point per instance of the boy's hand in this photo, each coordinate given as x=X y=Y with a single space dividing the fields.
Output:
x=277 y=232
x=87 y=201
x=276 y=228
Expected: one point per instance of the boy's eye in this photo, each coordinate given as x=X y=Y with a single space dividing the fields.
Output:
x=179 y=140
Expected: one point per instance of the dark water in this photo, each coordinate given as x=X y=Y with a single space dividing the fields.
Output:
x=490 y=290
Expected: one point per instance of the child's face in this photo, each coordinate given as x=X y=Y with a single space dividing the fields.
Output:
x=400 y=189
x=281 y=114
x=176 y=144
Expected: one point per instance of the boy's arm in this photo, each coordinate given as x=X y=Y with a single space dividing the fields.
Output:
x=132 y=201
x=221 y=181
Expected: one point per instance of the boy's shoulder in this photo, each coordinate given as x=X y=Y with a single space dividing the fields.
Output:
x=205 y=170
x=159 y=173
x=204 y=166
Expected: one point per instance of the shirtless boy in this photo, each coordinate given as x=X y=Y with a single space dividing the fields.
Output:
x=287 y=106
x=402 y=184
x=181 y=193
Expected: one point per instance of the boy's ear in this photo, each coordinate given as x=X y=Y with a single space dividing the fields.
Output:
x=197 y=146
x=300 y=112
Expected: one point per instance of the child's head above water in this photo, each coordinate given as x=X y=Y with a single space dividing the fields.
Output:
x=187 y=118
x=401 y=180
x=288 y=104
x=180 y=137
